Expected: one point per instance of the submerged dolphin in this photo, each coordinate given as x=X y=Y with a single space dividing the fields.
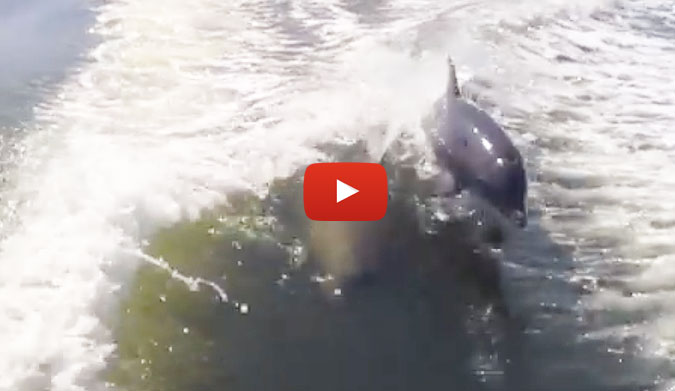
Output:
x=478 y=155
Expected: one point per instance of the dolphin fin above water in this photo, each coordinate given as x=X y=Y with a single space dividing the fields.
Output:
x=452 y=91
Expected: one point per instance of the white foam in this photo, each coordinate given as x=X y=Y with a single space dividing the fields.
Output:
x=602 y=120
x=178 y=105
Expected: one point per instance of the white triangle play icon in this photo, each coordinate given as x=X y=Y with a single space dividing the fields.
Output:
x=344 y=191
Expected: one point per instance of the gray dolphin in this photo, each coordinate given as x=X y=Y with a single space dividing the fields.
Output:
x=478 y=155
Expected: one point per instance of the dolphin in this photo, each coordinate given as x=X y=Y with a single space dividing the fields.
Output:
x=475 y=154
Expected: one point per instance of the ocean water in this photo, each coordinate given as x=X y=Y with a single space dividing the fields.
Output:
x=152 y=234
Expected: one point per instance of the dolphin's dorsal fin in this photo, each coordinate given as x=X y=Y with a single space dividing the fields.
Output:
x=453 y=86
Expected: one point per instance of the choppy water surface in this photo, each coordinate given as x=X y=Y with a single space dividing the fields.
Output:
x=152 y=230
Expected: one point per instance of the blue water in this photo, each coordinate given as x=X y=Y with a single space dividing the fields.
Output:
x=39 y=43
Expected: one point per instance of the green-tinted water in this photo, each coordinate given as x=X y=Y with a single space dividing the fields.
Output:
x=312 y=305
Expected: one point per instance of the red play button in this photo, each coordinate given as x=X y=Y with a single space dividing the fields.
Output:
x=345 y=191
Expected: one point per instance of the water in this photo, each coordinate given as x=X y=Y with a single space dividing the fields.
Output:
x=124 y=123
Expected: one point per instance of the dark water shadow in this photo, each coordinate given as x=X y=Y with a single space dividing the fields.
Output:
x=386 y=305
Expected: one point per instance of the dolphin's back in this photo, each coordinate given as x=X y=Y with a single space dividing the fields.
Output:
x=468 y=139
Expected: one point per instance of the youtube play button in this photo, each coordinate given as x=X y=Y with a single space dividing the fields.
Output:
x=345 y=191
